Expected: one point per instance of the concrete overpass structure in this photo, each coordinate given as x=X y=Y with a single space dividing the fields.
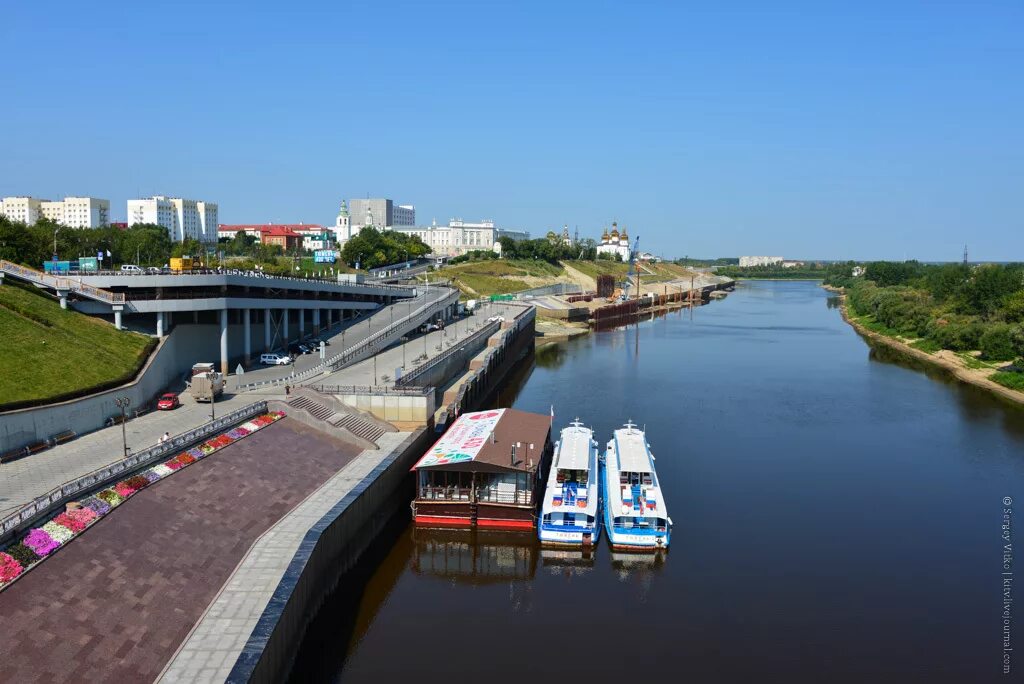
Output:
x=285 y=308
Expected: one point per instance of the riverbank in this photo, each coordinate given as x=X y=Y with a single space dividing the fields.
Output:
x=944 y=358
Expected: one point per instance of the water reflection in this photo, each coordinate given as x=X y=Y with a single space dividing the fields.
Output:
x=474 y=556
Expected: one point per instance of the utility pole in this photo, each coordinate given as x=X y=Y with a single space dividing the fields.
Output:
x=123 y=403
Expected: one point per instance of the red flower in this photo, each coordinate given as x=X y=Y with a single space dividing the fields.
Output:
x=9 y=569
x=65 y=520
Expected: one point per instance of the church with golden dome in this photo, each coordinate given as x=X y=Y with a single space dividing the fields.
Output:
x=614 y=243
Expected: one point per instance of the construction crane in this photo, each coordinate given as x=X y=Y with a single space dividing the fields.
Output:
x=633 y=270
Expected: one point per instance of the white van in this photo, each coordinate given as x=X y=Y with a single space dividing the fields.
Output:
x=274 y=359
x=131 y=269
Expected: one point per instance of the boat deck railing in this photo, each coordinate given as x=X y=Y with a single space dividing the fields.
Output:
x=452 y=493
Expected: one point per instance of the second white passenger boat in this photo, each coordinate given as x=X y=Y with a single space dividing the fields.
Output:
x=570 y=508
x=634 y=509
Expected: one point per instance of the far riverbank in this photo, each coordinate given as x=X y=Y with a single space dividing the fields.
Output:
x=944 y=358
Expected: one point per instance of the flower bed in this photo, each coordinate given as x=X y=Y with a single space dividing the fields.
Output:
x=40 y=542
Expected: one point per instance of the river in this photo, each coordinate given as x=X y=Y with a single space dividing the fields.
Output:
x=837 y=515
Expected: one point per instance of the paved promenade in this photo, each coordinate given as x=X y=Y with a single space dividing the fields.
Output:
x=213 y=646
x=115 y=604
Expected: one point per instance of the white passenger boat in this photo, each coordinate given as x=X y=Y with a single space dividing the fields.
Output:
x=634 y=510
x=570 y=508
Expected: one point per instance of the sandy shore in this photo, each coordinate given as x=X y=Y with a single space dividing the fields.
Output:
x=944 y=359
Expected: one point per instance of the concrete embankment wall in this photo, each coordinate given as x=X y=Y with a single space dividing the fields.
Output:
x=330 y=548
x=514 y=341
x=184 y=346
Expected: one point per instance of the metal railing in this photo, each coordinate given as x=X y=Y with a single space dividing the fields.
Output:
x=59 y=283
x=351 y=354
x=45 y=504
x=409 y=380
x=380 y=390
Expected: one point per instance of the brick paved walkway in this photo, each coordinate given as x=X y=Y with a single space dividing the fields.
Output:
x=115 y=604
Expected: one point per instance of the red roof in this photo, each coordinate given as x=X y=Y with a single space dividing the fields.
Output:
x=272 y=228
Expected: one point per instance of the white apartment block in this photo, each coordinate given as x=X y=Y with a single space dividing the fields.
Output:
x=459 y=236
x=78 y=212
x=27 y=210
x=183 y=218
x=760 y=260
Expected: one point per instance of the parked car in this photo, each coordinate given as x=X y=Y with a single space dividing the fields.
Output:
x=131 y=269
x=153 y=270
x=168 y=402
x=274 y=359
x=305 y=348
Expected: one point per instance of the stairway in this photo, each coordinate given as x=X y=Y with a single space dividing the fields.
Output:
x=357 y=426
x=346 y=421
x=314 y=408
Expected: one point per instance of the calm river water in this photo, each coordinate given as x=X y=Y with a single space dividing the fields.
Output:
x=837 y=519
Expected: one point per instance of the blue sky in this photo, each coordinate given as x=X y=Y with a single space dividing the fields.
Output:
x=810 y=130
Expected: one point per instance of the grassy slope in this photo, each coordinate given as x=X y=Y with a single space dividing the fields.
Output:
x=46 y=351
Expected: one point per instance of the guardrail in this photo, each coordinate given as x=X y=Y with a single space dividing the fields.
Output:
x=349 y=355
x=45 y=504
x=410 y=378
x=59 y=283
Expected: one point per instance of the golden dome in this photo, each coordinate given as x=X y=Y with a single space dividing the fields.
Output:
x=623 y=234
x=604 y=235
x=615 y=233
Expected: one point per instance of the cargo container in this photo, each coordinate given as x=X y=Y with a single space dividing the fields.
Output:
x=56 y=266
x=206 y=384
x=181 y=264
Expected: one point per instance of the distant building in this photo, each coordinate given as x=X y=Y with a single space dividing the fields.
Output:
x=459 y=236
x=183 y=218
x=614 y=243
x=792 y=264
x=73 y=212
x=27 y=210
x=291 y=236
x=760 y=261
x=380 y=213
x=343 y=229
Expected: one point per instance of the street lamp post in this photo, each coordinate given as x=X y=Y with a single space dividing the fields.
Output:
x=123 y=403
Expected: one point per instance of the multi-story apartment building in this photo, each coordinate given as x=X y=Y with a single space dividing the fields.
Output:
x=459 y=236
x=760 y=260
x=27 y=210
x=78 y=212
x=183 y=218
x=73 y=212
x=380 y=213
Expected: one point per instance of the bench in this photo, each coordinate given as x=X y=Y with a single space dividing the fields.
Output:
x=13 y=454
x=62 y=437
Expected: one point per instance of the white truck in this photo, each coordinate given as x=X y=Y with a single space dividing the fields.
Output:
x=206 y=383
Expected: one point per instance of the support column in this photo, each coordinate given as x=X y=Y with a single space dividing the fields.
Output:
x=117 y=318
x=224 y=341
x=195 y=316
x=284 y=328
x=247 y=336
x=63 y=294
x=316 y=321
x=302 y=323
x=266 y=330
x=159 y=323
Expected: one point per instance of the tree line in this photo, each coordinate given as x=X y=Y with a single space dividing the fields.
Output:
x=959 y=307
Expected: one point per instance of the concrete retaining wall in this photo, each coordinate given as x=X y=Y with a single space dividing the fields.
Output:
x=186 y=345
x=394 y=408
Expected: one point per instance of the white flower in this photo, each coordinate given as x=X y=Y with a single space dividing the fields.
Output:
x=58 y=533
x=162 y=470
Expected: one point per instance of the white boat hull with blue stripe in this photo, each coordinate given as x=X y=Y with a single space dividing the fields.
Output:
x=635 y=514
x=571 y=505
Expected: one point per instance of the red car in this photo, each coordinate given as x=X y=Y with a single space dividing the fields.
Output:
x=168 y=402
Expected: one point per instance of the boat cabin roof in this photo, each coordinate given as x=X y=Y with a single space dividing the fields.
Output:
x=490 y=441
x=631 y=445
x=574 y=448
